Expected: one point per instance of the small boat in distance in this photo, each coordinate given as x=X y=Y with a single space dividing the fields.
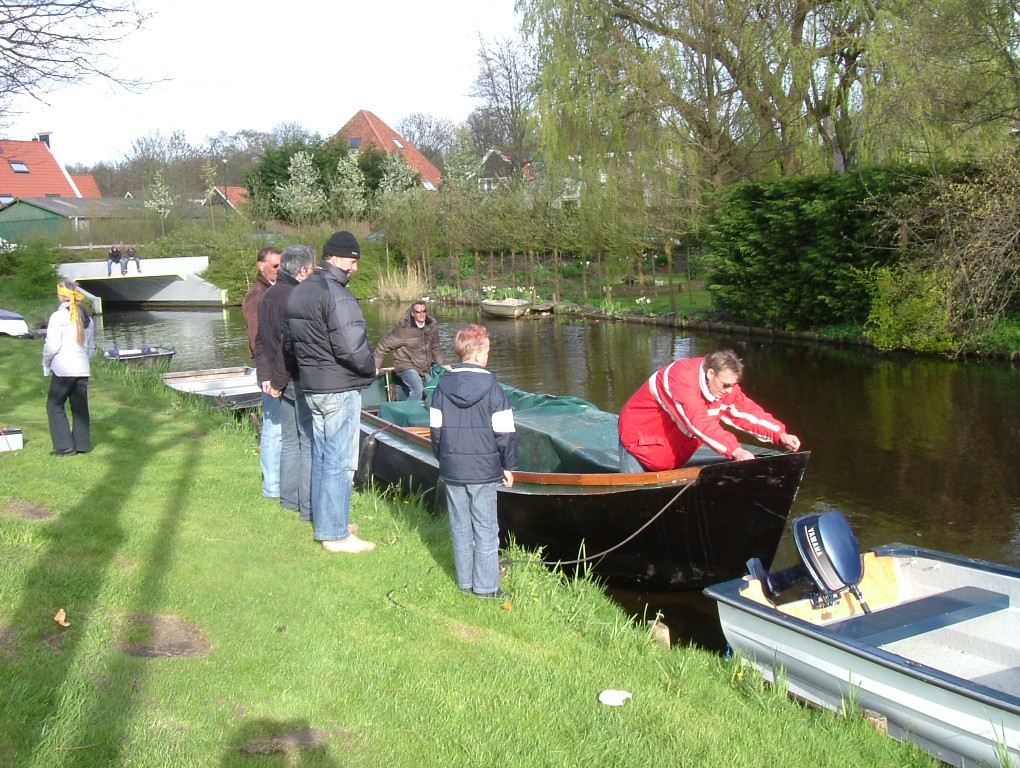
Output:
x=229 y=388
x=505 y=307
x=13 y=324
x=668 y=531
x=144 y=355
x=925 y=639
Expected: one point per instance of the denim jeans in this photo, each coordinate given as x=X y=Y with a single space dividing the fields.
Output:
x=336 y=435
x=629 y=462
x=475 y=532
x=269 y=446
x=411 y=386
x=296 y=452
x=75 y=389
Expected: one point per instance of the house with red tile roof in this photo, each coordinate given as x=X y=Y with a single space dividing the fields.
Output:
x=232 y=196
x=87 y=185
x=28 y=169
x=366 y=132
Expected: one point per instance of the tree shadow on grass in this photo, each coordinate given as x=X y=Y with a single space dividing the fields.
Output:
x=79 y=549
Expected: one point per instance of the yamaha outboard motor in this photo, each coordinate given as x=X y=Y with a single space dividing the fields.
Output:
x=831 y=561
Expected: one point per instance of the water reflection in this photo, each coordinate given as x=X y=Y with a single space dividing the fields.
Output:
x=912 y=449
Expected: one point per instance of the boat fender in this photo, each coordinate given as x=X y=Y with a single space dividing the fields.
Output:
x=439 y=502
x=146 y=350
x=366 y=458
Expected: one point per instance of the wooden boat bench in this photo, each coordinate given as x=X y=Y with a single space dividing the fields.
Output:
x=926 y=614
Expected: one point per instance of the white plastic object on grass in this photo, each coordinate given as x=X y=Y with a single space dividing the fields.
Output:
x=614 y=698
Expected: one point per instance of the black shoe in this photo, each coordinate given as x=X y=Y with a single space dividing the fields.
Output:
x=499 y=594
x=466 y=590
x=68 y=452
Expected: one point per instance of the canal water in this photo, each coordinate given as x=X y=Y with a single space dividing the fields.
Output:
x=912 y=449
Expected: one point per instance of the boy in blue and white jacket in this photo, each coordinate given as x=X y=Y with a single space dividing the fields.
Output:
x=473 y=437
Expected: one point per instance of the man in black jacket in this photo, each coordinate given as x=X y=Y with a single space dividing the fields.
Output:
x=325 y=332
x=278 y=375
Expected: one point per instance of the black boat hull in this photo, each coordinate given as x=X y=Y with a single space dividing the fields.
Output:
x=704 y=529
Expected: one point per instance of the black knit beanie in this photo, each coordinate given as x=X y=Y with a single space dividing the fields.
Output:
x=342 y=244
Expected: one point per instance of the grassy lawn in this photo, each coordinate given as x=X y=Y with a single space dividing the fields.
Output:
x=206 y=629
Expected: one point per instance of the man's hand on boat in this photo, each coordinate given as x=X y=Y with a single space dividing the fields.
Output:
x=788 y=441
x=508 y=478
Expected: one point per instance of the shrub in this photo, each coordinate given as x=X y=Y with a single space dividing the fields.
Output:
x=795 y=253
x=910 y=311
x=29 y=269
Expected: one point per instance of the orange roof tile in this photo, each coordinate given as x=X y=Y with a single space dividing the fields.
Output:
x=87 y=184
x=28 y=169
x=234 y=195
x=369 y=132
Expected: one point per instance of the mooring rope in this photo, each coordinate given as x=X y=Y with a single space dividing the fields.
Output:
x=613 y=548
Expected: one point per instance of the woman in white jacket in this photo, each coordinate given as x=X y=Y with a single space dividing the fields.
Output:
x=70 y=342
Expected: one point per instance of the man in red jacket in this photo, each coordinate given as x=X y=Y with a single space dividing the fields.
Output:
x=681 y=406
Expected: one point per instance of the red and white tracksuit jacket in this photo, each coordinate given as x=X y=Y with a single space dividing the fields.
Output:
x=673 y=413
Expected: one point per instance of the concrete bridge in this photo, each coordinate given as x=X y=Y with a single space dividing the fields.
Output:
x=162 y=283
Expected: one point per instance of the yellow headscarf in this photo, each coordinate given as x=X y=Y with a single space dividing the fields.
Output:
x=72 y=298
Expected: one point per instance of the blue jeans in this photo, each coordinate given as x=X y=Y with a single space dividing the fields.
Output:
x=410 y=385
x=269 y=446
x=296 y=452
x=475 y=532
x=336 y=433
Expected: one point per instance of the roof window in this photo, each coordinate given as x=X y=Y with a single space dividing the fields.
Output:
x=6 y=199
x=18 y=166
x=355 y=142
x=397 y=142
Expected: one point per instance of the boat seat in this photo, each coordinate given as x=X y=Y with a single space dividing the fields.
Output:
x=926 y=614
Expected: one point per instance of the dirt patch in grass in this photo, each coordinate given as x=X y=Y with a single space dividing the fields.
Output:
x=291 y=741
x=26 y=510
x=161 y=637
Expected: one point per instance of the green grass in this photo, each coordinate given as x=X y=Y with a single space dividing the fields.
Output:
x=164 y=517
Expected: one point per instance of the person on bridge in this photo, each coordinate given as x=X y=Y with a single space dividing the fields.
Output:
x=414 y=343
x=113 y=257
x=67 y=352
x=131 y=255
x=680 y=408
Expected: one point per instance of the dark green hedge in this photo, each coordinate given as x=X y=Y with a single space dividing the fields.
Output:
x=795 y=254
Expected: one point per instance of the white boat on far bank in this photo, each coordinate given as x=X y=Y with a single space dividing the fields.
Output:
x=505 y=307
x=13 y=324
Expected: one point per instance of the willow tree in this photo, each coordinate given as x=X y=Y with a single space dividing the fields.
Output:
x=757 y=89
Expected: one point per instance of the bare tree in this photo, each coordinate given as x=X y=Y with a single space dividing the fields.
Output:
x=430 y=135
x=47 y=43
x=506 y=80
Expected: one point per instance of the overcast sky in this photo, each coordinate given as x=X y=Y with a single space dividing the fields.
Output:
x=237 y=64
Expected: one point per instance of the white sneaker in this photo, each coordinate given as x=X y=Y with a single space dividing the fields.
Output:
x=351 y=545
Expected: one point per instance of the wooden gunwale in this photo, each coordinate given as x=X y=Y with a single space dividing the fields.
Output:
x=682 y=476
x=211 y=373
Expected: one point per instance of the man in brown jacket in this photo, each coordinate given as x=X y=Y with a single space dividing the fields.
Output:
x=414 y=343
x=272 y=433
x=269 y=265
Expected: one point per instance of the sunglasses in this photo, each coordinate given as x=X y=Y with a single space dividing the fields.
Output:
x=420 y=311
